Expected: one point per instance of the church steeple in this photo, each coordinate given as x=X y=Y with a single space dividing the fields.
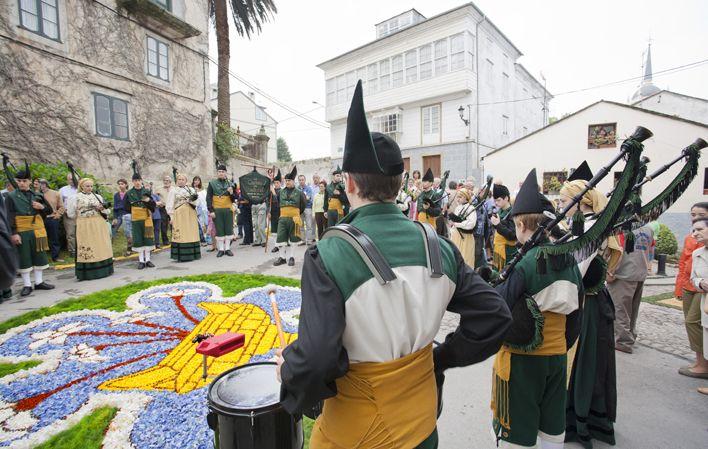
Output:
x=647 y=65
x=647 y=87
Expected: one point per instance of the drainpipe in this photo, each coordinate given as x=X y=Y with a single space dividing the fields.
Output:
x=476 y=44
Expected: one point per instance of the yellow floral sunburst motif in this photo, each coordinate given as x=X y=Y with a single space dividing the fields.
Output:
x=181 y=370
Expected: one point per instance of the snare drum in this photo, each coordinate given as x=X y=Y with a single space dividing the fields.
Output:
x=245 y=411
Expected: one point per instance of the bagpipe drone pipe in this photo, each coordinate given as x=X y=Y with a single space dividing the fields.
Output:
x=96 y=192
x=9 y=168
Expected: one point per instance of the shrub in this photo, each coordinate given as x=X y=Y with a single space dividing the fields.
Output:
x=54 y=173
x=226 y=142
x=666 y=241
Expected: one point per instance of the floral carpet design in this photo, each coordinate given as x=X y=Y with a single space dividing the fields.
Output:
x=141 y=361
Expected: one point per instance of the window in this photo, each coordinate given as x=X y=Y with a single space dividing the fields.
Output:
x=351 y=83
x=341 y=89
x=490 y=72
x=505 y=85
x=397 y=71
x=384 y=74
x=260 y=114
x=331 y=91
x=158 y=63
x=361 y=75
x=411 y=66
x=373 y=73
x=430 y=118
x=470 y=51
x=40 y=17
x=505 y=125
x=167 y=4
x=425 y=54
x=441 y=57
x=388 y=124
x=457 y=51
x=111 y=116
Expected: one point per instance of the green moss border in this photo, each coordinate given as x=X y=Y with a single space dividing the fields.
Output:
x=86 y=434
x=10 y=368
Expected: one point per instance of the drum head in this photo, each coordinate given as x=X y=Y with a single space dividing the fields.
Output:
x=251 y=387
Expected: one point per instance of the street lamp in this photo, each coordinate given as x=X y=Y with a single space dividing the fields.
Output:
x=461 y=110
x=467 y=122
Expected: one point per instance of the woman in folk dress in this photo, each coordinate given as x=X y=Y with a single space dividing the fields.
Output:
x=185 y=225
x=94 y=251
x=464 y=220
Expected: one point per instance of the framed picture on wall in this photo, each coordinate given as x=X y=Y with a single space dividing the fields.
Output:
x=602 y=136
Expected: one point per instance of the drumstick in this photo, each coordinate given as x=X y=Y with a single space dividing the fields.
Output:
x=276 y=314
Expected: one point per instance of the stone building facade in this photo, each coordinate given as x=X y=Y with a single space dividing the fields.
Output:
x=102 y=82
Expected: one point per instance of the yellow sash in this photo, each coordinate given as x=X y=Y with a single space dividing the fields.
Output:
x=553 y=344
x=143 y=214
x=222 y=202
x=293 y=213
x=390 y=404
x=500 y=245
x=335 y=203
x=34 y=223
x=424 y=217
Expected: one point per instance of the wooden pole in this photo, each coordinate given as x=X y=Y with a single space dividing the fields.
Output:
x=276 y=314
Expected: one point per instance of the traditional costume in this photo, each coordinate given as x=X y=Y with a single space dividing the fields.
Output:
x=428 y=208
x=185 y=224
x=335 y=200
x=464 y=220
x=94 y=249
x=373 y=360
x=292 y=205
x=142 y=207
x=28 y=223
x=504 y=244
x=529 y=384
x=220 y=202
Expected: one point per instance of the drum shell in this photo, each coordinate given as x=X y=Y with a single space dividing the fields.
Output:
x=268 y=427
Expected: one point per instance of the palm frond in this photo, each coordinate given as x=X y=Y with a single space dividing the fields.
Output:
x=250 y=15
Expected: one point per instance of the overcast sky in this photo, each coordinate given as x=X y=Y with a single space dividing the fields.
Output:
x=575 y=44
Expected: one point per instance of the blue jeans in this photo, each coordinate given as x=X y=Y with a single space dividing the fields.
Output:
x=125 y=221
x=52 y=226
x=156 y=223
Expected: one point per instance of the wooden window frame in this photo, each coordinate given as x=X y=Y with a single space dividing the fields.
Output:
x=111 y=101
x=40 y=24
x=158 y=42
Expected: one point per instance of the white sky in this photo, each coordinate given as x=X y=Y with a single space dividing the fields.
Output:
x=575 y=44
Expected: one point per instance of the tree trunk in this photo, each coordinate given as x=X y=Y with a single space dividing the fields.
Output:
x=222 y=45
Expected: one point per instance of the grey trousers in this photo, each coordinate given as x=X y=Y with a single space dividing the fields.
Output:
x=258 y=216
x=626 y=296
x=70 y=231
x=308 y=219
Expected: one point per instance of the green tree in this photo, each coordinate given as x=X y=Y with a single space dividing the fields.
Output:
x=283 y=151
x=666 y=241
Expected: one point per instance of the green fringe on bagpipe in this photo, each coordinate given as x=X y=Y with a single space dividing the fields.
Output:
x=600 y=277
x=585 y=245
x=658 y=205
x=539 y=321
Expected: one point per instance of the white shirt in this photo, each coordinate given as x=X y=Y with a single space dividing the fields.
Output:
x=68 y=197
x=468 y=215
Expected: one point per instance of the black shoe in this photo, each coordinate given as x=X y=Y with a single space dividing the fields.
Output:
x=141 y=265
x=7 y=294
x=211 y=250
x=26 y=291
x=220 y=253
x=262 y=245
x=149 y=264
x=44 y=286
x=256 y=244
x=243 y=244
x=291 y=262
x=279 y=261
x=229 y=253
x=274 y=250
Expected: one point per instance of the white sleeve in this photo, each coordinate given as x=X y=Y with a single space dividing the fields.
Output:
x=71 y=206
x=695 y=280
x=170 y=203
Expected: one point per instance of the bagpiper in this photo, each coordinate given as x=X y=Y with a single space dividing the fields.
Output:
x=142 y=206
x=292 y=205
x=428 y=209
x=335 y=200
x=220 y=198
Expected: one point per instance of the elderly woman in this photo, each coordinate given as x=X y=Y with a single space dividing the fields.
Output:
x=592 y=392
x=464 y=220
x=185 y=223
x=699 y=278
x=94 y=251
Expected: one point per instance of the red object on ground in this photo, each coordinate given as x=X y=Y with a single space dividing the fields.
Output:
x=219 y=345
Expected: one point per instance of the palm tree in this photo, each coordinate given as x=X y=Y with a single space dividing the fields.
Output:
x=248 y=16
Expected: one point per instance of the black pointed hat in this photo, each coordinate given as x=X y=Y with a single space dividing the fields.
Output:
x=500 y=191
x=136 y=173
x=583 y=172
x=529 y=200
x=337 y=171
x=293 y=174
x=366 y=152
x=429 y=176
x=25 y=173
x=278 y=177
x=220 y=166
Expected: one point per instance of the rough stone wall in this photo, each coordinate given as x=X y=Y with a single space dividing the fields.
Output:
x=46 y=99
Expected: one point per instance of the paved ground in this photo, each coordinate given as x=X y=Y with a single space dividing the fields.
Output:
x=658 y=409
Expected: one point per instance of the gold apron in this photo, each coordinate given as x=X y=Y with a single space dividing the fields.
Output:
x=553 y=344
x=500 y=245
x=34 y=223
x=93 y=241
x=294 y=213
x=143 y=214
x=465 y=243
x=424 y=217
x=336 y=204
x=222 y=202
x=185 y=225
x=390 y=404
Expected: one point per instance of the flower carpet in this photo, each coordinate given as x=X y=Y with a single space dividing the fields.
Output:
x=140 y=361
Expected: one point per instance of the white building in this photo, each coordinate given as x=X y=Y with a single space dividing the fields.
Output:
x=563 y=145
x=679 y=105
x=422 y=77
x=248 y=117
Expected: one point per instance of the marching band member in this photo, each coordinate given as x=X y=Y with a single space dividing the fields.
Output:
x=220 y=198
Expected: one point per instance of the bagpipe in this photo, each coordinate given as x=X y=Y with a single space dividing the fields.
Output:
x=193 y=196
x=9 y=167
x=96 y=192
x=438 y=194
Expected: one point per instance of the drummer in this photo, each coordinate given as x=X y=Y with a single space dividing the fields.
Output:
x=375 y=364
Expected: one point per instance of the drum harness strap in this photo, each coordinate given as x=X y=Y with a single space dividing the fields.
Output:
x=373 y=258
